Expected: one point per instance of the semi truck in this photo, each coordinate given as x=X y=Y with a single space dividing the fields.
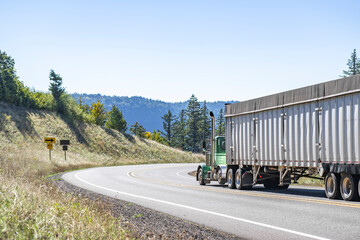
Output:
x=275 y=140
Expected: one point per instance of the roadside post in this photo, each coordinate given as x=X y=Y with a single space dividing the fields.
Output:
x=65 y=144
x=49 y=141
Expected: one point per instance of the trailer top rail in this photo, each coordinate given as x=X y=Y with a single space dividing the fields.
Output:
x=311 y=93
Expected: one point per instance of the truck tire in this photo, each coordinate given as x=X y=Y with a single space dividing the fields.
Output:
x=270 y=184
x=230 y=179
x=219 y=177
x=348 y=187
x=332 y=186
x=238 y=179
x=200 y=177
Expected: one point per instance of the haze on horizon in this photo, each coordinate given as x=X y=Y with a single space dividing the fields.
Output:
x=168 y=50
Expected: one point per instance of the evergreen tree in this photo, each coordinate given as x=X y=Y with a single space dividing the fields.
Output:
x=205 y=123
x=116 y=120
x=57 y=90
x=192 y=124
x=179 y=131
x=168 y=127
x=138 y=130
x=353 y=64
x=98 y=112
x=220 y=122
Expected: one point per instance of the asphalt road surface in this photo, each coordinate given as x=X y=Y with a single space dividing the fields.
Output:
x=296 y=213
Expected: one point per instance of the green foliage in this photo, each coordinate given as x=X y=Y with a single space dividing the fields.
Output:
x=220 y=122
x=156 y=136
x=179 y=126
x=11 y=89
x=205 y=123
x=138 y=130
x=99 y=113
x=353 y=64
x=193 y=118
x=168 y=127
x=116 y=120
x=57 y=90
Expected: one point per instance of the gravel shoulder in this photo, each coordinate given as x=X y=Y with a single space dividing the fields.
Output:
x=145 y=223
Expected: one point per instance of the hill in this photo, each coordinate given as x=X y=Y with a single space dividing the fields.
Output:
x=29 y=205
x=146 y=111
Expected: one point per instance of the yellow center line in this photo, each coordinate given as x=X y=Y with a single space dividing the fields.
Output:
x=255 y=194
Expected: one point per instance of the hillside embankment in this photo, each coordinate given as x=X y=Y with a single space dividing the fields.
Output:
x=30 y=205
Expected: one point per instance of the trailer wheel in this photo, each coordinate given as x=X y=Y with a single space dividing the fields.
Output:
x=332 y=186
x=285 y=186
x=270 y=184
x=348 y=187
x=230 y=179
x=200 y=177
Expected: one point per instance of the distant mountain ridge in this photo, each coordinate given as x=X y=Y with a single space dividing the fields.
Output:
x=147 y=112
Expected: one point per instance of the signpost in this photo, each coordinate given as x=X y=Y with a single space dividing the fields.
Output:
x=65 y=144
x=49 y=141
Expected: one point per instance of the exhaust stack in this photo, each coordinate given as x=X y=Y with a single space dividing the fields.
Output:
x=212 y=153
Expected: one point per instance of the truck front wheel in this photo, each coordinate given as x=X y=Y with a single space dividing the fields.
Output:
x=200 y=177
x=332 y=186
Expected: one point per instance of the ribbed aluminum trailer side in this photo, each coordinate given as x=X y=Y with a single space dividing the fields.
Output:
x=299 y=133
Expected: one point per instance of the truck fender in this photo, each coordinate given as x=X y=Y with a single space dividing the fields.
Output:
x=205 y=169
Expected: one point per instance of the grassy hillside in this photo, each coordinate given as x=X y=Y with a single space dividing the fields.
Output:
x=30 y=207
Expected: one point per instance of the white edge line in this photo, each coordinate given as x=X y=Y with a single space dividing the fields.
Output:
x=186 y=176
x=202 y=210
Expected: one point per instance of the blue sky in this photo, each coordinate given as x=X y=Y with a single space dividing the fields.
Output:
x=168 y=50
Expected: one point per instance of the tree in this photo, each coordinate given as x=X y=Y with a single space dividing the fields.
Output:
x=220 y=122
x=168 y=127
x=98 y=112
x=353 y=64
x=179 y=130
x=193 y=119
x=57 y=90
x=205 y=123
x=138 y=130
x=116 y=120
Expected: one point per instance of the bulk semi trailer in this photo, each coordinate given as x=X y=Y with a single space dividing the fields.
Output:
x=307 y=132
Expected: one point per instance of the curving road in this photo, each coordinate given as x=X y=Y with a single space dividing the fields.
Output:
x=297 y=213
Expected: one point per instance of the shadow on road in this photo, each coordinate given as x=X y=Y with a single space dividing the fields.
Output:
x=298 y=191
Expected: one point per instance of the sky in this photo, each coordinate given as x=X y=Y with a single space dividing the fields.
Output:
x=169 y=50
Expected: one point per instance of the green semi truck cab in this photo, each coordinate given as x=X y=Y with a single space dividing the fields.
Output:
x=214 y=169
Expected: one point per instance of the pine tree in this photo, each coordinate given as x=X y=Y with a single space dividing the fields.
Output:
x=353 y=64
x=179 y=133
x=192 y=124
x=168 y=127
x=220 y=122
x=205 y=123
x=116 y=120
x=57 y=90
x=138 y=130
x=98 y=112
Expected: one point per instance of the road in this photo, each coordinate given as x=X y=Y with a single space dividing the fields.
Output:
x=297 y=213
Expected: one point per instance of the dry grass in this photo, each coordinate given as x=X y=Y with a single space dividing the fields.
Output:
x=30 y=207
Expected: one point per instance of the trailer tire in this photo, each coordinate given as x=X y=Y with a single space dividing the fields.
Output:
x=285 y=186
x=200 y=177
x=230 y=176
x=348 y=187
x=332 y=186
x=270 y=184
